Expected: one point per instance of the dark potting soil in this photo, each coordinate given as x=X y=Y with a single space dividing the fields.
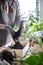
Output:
x=8 y=56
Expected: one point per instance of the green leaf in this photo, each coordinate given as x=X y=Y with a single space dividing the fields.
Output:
x=40 y=41
x=15 y=28
x=32 y=60
x=41 y=56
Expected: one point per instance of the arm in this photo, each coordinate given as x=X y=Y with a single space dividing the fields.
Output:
x=18 y=22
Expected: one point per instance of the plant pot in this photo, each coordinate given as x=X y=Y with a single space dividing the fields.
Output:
x=3 y=37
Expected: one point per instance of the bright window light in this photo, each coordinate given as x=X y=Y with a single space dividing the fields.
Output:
x=27 y=5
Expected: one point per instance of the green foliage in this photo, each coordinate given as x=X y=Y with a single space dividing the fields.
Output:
x=34 y=59
x=33 y=25
x=15 y=28
x=40 y=41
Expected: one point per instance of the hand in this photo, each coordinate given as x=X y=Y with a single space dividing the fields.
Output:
x=2 y=26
